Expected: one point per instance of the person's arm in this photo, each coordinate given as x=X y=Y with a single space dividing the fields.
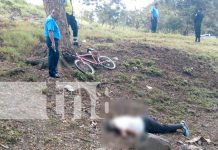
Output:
x=132 y=133
x=50 y=26
x=51 y=36
x=128 y=132
x=152 y=11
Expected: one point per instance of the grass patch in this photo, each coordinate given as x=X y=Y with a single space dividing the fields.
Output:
x=31 y=78
x=8 y=134
x=152 y=71
x=181 y=82
x=84 y=77
x=188 y=70
x=203 y=97
x=21 y=7
x=107 y=46
x=159 y=97
x=53 y=118
x=19 y=41
x=139 y=63
x=121 y=78
x=47 y=92
x=92 y=30
x=161 y=101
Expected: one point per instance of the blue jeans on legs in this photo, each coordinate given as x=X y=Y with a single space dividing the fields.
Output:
x=152 y=126
x=53 y=56
x=154 y=24
x=198 y=33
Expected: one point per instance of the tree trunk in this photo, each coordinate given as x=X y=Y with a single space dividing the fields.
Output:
x=49 y=5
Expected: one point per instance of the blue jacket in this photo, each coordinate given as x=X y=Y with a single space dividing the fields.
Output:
x=154 y=12
x=51 y=25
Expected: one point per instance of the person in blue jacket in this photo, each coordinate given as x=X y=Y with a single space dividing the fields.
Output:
x=52 y=36
x=154 y=17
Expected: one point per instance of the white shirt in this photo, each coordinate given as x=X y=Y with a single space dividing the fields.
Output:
x=135 y=124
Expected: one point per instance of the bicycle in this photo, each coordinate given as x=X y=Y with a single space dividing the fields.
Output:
x=85 y=62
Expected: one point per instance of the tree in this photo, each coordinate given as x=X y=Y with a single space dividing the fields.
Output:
x=109 y=12
x=49 y=5
x=177 y=15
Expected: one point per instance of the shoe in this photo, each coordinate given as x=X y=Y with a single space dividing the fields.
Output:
x=57 y=75
x=76 y=43
x=51 y=75
x=185 y=130
x=54 y=76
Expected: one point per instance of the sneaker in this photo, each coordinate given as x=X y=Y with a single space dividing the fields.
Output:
x=56 y=75
x=185 y=130
x=76 y=43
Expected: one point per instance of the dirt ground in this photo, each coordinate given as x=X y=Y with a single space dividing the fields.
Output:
x=168 y=101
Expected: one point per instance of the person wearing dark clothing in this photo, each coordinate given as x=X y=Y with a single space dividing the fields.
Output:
x=154 y=17
x=137 y=126
x=73 y=24
x=197 y=24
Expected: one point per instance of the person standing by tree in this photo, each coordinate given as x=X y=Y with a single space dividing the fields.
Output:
x=52 y=36
x=73 y=24
x=154 y=17
x=197 y=24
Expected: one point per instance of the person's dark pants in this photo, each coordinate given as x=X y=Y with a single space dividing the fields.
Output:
x=197 y=33
x=53 y=56
x=154 y=24
x=74 y=27
x=152 y=126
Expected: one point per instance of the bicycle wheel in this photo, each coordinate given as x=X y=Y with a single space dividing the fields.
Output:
x=106 y=62
x=84 y=67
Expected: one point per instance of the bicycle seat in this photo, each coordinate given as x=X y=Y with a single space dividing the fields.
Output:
x=90 y=50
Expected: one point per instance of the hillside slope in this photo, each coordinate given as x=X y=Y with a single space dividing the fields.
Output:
x=181 y=73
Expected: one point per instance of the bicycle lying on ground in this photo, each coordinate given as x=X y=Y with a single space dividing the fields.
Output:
x=85 y=62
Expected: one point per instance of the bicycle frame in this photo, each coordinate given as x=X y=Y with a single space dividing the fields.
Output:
x=82 y=58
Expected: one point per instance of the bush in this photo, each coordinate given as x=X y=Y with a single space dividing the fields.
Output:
x=188 y=70
x=152 y=71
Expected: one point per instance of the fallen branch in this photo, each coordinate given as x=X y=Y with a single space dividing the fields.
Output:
x=4 y=146
x=85 y=140
x=36 y=61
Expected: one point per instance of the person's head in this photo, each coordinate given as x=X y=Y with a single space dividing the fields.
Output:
x=55 y=13
x=109 y=127
x=156 y=5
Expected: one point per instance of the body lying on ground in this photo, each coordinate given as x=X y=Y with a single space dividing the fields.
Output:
x=136 y=126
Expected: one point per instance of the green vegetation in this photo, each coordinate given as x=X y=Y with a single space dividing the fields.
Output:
x=188 y=70
x=152 y=71
x=85 y=77
x=19 y=41
x=134 y=62
x=47 y=92
x=162 y=102
x=8 y=134
x=205 y=50
x=31 y=78
x=19 y=8
x=106 y=46
x=181 y=82
x=53 y=118
x=205 y=97
x=178 y=15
